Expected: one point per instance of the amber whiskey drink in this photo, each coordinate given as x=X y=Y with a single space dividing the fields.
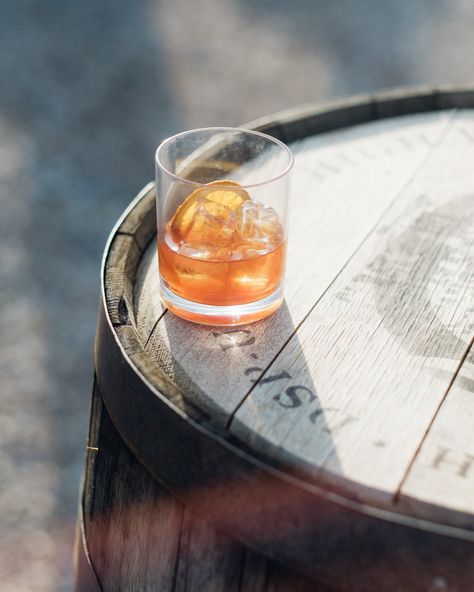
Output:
x=219 y=281
x=221 y=253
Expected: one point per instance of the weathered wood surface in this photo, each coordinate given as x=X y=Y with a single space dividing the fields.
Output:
x=444 y=467
x=354 y=385
x=141 y=540
x=334 y=204
x=385 y=211
x=378 y=351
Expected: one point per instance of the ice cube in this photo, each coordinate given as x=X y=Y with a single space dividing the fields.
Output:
x=212 y=222
x=200 y=277
x=249 y=248
x=207 y=251
x=261 y=224
x=249 y=216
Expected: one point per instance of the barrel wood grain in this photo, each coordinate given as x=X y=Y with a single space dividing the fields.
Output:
x=374 y=359
x=186 y=355
x=141 y=540
x=342 y=183
x=362 y=379
x=443 y=470
x=126 y=514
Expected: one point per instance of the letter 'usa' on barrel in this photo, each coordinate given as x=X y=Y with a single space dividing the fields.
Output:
x=330 y=446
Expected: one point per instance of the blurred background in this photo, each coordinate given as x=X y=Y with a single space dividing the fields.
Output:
x=87 y=91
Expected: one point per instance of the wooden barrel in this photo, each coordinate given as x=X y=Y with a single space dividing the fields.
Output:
x=330 y=446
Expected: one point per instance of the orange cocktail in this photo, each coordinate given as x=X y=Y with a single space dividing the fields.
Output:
x=222 y=219
x=222 y=248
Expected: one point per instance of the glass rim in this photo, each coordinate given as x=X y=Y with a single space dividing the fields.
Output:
x=279 y=143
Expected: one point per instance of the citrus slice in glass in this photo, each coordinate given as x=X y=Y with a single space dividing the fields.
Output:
x=219 y=202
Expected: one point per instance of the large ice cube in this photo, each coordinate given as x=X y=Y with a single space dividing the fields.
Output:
x=207 y=251
x=212 y=222
x=259 y=221
x=249 y=248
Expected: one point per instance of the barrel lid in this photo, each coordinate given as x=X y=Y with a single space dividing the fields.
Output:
x=362 y=384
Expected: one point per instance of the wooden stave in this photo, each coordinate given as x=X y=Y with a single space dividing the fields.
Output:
x=85 y=576
x=139 y=537
x=288 y=128
x=355 y=526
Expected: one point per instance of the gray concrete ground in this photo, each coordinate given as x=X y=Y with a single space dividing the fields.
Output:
x=87 y=90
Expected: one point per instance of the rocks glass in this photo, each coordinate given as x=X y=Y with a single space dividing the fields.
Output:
x=222 y=202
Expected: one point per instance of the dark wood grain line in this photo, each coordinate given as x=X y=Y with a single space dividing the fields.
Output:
x=466 y=134
x=397 y=494
x=178 y=552
x=154 y=327
x=122 y=233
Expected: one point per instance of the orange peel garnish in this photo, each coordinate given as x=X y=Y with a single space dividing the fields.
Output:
x=216 y=197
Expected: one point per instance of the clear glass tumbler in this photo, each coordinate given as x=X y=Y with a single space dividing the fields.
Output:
x=222 y=222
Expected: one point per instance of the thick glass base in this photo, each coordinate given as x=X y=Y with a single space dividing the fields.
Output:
x=237 y=314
